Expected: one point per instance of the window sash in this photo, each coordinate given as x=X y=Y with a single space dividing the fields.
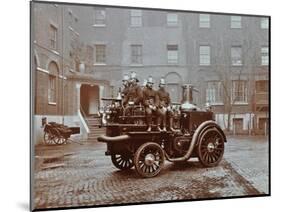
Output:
x=204 y=55
x=236 y=22
x=136 y=54
x=264 y=56
x=100 y=54
x=204 y=21
x=262 y=86
x=99 y=17
x=172 y=19
x=236 y=56
x=239 y=91
x=52 y=89
x=53 y=37
x=136 y=17
x=172 y=54
x=264 y=23
x=214 y=92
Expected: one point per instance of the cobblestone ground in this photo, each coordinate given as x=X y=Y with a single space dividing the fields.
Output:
x=82 y=175
x=249 y=157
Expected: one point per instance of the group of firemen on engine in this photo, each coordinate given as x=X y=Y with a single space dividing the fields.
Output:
x=156 y=102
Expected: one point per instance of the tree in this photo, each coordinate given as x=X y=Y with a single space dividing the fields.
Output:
x=234 y=80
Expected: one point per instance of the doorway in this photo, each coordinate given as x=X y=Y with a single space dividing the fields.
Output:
x=238 y=126
x=263 y=125
x=89 y=99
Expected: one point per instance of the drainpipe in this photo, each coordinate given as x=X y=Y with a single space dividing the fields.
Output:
x=62 y=65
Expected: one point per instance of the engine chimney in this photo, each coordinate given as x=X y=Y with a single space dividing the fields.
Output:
x=187 y=96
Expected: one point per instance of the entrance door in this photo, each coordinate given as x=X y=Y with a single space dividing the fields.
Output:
x=263 y=125
x=89 y=99
x=93 y=100
x=238 y=126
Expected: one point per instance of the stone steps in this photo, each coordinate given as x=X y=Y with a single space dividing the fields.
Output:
x=95 y=131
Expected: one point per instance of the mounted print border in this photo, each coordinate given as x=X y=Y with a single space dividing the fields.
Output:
x=139 y=105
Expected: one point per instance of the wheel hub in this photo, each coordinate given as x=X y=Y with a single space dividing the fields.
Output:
x=149 y=159
x=210 y=147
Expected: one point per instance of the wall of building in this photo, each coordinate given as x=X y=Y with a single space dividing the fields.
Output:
x=77 y=23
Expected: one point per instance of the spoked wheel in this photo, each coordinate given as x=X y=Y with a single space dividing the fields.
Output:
x=59 y=140
x=123 y=162
x=211 y=147
x=149 y=159
x=48 y=138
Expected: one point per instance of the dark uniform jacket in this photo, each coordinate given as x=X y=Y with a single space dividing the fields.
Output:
x=125 y=91
x=134 y=94
x=150 y=97
x=164 y=98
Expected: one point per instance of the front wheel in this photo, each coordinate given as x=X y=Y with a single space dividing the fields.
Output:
x=149 y=159
x=122 y=162
x=211 y=147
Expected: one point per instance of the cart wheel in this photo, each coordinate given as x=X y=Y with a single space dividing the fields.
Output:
x=149 y=159
x=56 y=136
x=48 y=138
x=59 y=140
x=122 y=162
x=211 y=147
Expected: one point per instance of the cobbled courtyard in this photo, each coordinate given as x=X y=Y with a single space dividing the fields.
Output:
x=75 y=175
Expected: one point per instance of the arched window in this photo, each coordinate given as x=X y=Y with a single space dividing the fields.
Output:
x=173 y=81
x=52 y=83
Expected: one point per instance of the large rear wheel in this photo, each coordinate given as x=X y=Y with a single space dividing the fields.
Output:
x=149 y=159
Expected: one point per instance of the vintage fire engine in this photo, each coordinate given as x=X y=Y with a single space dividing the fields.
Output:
x=130 y=145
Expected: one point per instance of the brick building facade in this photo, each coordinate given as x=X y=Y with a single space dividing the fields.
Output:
x=225 y=56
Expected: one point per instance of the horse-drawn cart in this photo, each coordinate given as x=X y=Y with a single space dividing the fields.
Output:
x=55 y=133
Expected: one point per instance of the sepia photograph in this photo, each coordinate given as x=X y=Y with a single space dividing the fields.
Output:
x=136 y=105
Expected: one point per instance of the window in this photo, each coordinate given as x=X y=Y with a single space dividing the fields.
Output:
x=99 y=17
x=204 y=21
x=239 y=91
x=264 y=56
x=172 y=19
x=236 y=22
x=136 y=54
x=52 y=89
x=136 y=18
x=236 y=55
x=262 y=86
x=264 y=23
x=214 y=92
x=53 y=36
x=204 y=52
x=100 y=54
x=172 y=54
x=263 y=124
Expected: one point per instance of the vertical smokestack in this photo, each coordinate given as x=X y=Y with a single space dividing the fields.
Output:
x=187 y=93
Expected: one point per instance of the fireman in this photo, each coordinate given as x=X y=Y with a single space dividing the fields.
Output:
x=126 y=85
x=164 y=108
x=150 y=102
x=134 y=94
